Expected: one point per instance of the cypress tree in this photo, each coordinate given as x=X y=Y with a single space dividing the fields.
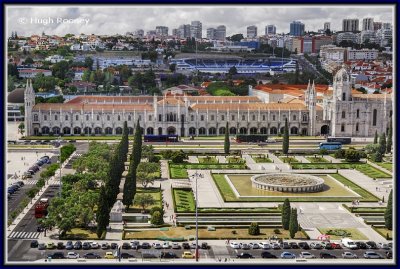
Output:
x=103 y=213
x=285 y=143
x=293 y=225
x=286 y=214
x=376 y=137
x=137 y=146
x=390 y=137
x=227 y=143
x=389 y=213
x=382 y=144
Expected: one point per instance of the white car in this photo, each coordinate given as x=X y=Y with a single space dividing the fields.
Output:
x=254 y=245
x=94 y=245
x=275 y=246
x=264 y=245
x=166 y=245
x=349 y=255
x=72 y=255
x=306 y=255
x=244 y=246
x=176 y=245
x=234 y=245
x=383 y=246
x=157 y=246
x=315 y=245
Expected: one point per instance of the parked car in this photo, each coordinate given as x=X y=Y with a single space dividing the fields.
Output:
x=176 y=245
x=285 y=245
x=94 y=245
x=60 y=245
x=328 y=246
x=383 y=246
x=306 y=255
x=51 y=245
x=86 y=246
x=244 y=255
x=168 y=255
x=69 y=245
x=304 y=245
x=326 y=255
x=109 y=255
x=91 y=255
x=114 y=245
x=56 y=255
x=372 y=255
x=42 y=246
x=166 y=245
x=361 y=245
x=349 y=255
x=126 y=245
x=235 y=245
x=315 y=245
x=287 y=255
x=275 y=246
x=264 y=245
x=389 y=254
x=336 y=246
x=72 y=255
x=187 y=255
x=193 y=246
x=204 y=245
x=34 y=244
x=371 y=245
x=294 y=245
x=125 y=255
x=268 y=255
x=145 y=245
x=105 y=246
x=135 y=245
x=244 y=246
x=78 y=245
x=157 y=246
x=185 y=245
x=254 y=245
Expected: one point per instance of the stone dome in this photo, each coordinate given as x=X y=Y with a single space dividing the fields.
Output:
x=342 y=74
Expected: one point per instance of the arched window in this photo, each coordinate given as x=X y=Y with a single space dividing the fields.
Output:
x=202 y=131
x=232 y=130
x=294 y=130
x=150 y=131
x=263 y=130
x=150 y=117
x=273 y=117
x=98 y=117
x=45 y=118
x=243 y=130
x=108 y=117
x=212 y=131
x=202 y=117
x=129 y=117
x=119 y=117
x=191 y=117
x=77 y=131
x=159 y=117
x=108 y=130
x=212 y=117
x=294 y=117
x=342 y=128
x=253 y=130
x=192 y=131
x=45 y=130
x=97 y=130
x=66 y=130
x=87 y=117
x=305 y=118
x=263 y=118
x=35 y=117
x=222 y=130
x=254 y=117
x=344 y=96
x=273 y=131
x=130 y=130
x=282 y=130
x=233 y=117
x=358 y=113
x=357 y=127
x=243 y=117
x=66 y=117
x=118 y=130
x=374 y=116
x=140 y=117
x=343 y=114
x=222 y=117
x=76 y=117
x=55 y=117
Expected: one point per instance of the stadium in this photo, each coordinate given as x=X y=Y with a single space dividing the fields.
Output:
x=243 y=66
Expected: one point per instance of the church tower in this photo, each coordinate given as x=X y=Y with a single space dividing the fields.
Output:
x=311 y=101
x=29 y=100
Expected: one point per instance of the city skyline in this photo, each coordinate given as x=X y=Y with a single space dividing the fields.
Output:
x=96 y=20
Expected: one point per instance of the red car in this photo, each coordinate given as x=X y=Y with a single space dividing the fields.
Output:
x=336 y=246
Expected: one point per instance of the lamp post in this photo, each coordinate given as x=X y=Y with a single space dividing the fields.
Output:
x=197 y=175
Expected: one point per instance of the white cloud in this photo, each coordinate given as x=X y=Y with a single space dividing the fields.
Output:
x=111 y=19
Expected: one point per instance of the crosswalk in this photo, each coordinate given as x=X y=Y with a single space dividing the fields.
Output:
x=24 y=235
x=34 y=181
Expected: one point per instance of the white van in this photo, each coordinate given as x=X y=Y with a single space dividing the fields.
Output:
x=349 y=243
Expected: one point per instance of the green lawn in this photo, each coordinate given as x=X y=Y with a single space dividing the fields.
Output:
x=387 y=166
x=180 y=170
x=81 y=234
x=154 y=192
x=261 y=158
x=208 y=160
x=229 y=196
x=289 y=159
x=337 y=234
x=184 y=200
x=234 y=159
x=317 y=159
x=384 y=232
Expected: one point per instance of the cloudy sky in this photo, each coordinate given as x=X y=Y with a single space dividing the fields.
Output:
x=61 y=20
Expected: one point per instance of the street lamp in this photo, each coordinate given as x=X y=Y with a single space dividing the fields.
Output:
x=197 y=175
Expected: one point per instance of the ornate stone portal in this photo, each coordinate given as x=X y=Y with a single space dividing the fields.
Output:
x=286 y=182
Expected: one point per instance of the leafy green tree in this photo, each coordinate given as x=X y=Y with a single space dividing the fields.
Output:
x=352 y=155
x=21 y=128
x=157 y=218
x=389 y=213
x=147 y=173
x=377 y=156
x=254 y=229
x=390 y=137
x=227 y=143
x=60 y=69
x=103 y=213
x=382 y=144
x=144 y=200
x=236 y=37
x=89 y=62
x=293 y=223
x=172 y=68
x=285 y=143
x=232 y=71
x=178 y=156
x=286 y=214
x=376 y=137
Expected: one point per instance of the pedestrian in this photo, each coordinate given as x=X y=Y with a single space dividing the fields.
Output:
x=376 y=188
x=229 y=241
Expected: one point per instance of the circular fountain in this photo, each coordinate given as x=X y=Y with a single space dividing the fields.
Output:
x=286 y=182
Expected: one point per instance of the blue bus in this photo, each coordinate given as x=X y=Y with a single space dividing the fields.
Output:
x=330 y=145
x=161 y=138
x=343 y=140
